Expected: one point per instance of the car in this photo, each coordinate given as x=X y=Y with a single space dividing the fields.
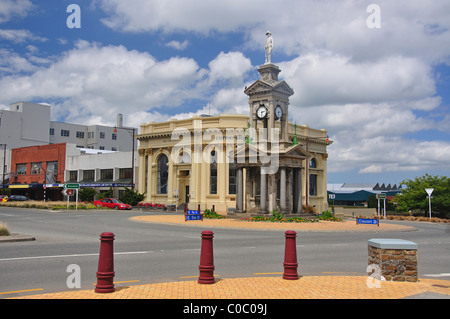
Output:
x=17 y=198
x=3 y=198
x=111 y=203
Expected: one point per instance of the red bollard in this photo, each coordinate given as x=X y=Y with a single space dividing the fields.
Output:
x=105 y=273
x=290 y=256
x=206 y=259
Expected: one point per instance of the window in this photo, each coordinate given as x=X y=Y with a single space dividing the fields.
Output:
x=313 y=163
x=213 y=173
x=90 y=134
x=313 y=185
x=36 y=168
x=125 y=173
x=106 y=174
x=21 y=169
x=163 y=174
x=80 y=134
x=52 y=172
x=102 y=134
x=232 y=178
x=65 y=133
x=114 y=136
x=52 y=131
x=89 y=175
x=73 y=176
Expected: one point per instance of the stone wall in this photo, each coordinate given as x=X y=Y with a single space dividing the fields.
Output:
x=397 y=260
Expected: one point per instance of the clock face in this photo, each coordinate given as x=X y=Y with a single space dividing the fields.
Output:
x=278 y=112
x=261 y=112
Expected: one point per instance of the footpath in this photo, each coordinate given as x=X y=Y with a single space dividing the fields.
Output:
x=271 y=286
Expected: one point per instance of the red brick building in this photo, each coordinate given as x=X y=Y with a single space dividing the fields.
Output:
x=35 y=167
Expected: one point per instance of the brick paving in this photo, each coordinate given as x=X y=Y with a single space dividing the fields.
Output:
x=308 y=287
x=266 y=287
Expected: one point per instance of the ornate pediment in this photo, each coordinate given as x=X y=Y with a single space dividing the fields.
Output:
x=263 y=87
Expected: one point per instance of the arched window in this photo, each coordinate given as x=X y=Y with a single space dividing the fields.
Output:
x=163 y=174
x=313 y=163
x=213 y=173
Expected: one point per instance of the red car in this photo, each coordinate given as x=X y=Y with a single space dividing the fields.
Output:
x=111 y=203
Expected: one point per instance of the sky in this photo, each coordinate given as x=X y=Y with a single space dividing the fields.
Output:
x=374 y=74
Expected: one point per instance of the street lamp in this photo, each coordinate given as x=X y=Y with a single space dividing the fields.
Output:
x=132 y=152
x=429 y=191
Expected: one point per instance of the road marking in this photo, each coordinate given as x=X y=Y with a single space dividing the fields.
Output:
x=19 y=291
x=73 y=255
x=438 y=275
x=185 y=277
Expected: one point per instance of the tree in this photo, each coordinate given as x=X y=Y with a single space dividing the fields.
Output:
x=414 y=196
x=87 y=194
x=131 y=197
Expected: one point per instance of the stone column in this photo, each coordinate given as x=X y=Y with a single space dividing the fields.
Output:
x=263 y=201
x=240 y=191
x=299 y=191
x=283 y=194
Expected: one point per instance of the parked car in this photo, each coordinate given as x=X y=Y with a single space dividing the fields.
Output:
x=17 y=198
x=3 y=198
x=111 y=203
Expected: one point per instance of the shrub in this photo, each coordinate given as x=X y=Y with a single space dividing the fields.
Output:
x=87 y=194
x=209 y=213
x=327 y=215
x=308 y=209
x=4 y=230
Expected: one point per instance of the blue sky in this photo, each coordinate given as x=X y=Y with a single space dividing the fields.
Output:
x=382 y=93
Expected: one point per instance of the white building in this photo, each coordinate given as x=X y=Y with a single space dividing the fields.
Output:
x=101 y=169
x=28 y=124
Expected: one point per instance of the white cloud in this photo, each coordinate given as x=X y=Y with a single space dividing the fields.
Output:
x=177 y=45
x=12 y=8
x=20 y=36
x=326 y=78
x=92 y=83
x=409 y=28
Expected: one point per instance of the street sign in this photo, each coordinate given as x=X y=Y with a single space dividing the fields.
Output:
x=68 y=191
x=368 y=221
x=72 y=186
x=381 y=196
x=193 y=215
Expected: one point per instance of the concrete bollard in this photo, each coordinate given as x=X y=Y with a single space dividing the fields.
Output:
x=105 y=273
x=206 y=267
x=290 y=256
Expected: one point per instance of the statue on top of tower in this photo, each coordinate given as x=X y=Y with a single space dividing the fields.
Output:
x=268 y=48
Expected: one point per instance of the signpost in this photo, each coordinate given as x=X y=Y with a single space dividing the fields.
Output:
x=193 y=215
x=68 y=190
x=382 y=196
x=429 y=192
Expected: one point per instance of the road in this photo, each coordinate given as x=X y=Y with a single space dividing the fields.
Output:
x=148 y=253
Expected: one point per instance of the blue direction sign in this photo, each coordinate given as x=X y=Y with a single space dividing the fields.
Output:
x=368 y=221
x=193 y=215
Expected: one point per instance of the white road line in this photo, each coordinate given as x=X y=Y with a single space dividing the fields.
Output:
x=73 y=255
